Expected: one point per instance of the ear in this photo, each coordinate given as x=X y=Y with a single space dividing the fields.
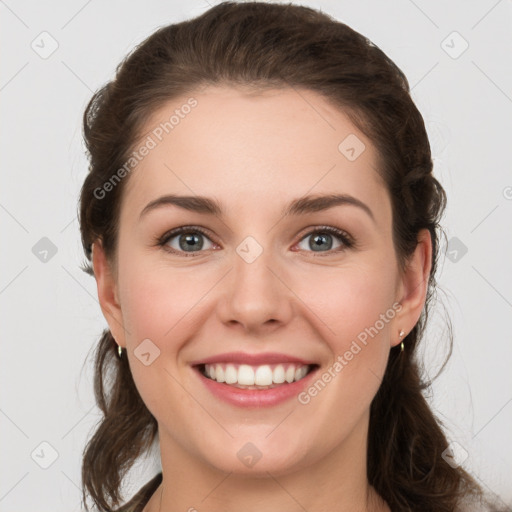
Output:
x=413 y=285
x=108 y=293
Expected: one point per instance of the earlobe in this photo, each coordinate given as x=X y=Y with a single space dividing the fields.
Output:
x=107 y=293
x=414 y=284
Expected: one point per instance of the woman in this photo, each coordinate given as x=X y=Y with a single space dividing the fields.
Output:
x=229 y=150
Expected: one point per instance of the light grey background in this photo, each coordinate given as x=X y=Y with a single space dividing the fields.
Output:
x=50 y=317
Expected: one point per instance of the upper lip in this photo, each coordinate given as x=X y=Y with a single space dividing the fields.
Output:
x=251 y=359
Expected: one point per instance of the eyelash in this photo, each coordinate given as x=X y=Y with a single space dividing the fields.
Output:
x=347 y=240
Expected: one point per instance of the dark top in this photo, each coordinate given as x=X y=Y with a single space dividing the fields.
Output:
x=140 y=499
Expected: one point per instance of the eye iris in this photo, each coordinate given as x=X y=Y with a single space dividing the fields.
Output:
x=320 y=239
x=188 y=240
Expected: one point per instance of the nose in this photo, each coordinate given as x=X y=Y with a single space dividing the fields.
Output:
x=256 y=296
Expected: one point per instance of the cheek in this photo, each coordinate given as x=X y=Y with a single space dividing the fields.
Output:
x=341 y=302
x=351 y=303
x=159 y=304
x=348 y=299
x=156 y=301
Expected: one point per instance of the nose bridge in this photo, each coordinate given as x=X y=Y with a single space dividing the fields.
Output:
x=255 y=295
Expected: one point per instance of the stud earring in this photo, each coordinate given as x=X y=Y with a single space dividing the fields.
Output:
x=120 y=351
x=401 y=333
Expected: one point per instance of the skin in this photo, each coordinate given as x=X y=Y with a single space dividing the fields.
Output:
x=255 y=153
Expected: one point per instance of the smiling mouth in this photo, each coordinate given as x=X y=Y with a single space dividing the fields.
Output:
x=243 y=376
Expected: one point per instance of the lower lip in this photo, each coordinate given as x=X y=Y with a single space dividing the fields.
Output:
x=256 y=397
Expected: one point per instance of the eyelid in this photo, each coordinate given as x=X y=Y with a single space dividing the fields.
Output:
x=168 y=235
x=340 y=233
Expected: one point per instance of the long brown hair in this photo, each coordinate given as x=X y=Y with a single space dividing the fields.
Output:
x=268 y=45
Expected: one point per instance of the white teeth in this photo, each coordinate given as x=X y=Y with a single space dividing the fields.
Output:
x=301 y=372
x=231 y=374
x=264 y=375
x=290 y=374
x=278 y=374
x=245 y=375
x=219 y=374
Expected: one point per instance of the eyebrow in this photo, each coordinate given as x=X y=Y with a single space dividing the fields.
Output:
x=301 y=206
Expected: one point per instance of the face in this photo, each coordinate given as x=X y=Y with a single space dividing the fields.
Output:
x=318 y=284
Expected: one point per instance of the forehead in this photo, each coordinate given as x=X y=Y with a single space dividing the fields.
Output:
x=249 y=145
